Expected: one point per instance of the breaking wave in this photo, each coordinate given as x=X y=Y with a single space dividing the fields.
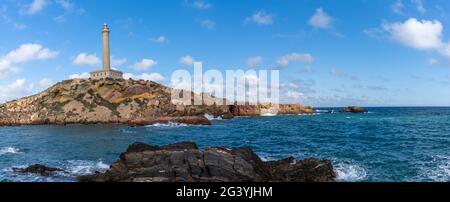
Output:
x=11 y=150
x=349 y=172
x=168 y=125
x=211 y=117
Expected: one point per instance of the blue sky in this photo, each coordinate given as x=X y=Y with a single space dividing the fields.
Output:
x=330 y=53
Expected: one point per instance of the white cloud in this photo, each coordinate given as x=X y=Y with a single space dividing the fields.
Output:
x=337 y=72
x=201 y=5
x=144 y=64
x=397 y=7
x=45 y=82
x=308 y=69
x=156 y=77
x=17 y=89
x=422 y=35
x=260 y=17
x=294 y=94
x=117 y=61
x=83 y=75
x=321 y=19
x=254 y=61
x=187 y=60
x=28 y=52
x=160 y=39
x=65 y=4
x=60 y=19
x=209 y=24
x=36 y=6
x=419 y=6
x=24 y=53
x=86 y=59
x=433 y=61
x=285 y=60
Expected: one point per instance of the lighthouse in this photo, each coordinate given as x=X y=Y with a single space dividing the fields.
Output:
x=106 y=71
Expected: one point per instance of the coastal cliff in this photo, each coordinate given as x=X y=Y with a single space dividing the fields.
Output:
x=134 y=102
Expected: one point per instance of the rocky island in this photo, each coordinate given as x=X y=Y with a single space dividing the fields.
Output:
x=120 y=101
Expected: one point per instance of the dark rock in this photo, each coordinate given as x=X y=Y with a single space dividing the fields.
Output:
x=184 y=162
x=354 y=109
x=38 y=169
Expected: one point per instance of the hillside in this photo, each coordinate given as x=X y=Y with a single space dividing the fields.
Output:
x=132 y=102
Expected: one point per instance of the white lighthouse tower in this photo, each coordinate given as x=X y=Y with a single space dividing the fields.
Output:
x=106 y=71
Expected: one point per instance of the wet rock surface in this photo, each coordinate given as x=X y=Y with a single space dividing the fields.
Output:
x=184 y=162
x=38 y=169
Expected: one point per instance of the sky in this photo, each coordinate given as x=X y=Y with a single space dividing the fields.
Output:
x=329 y=53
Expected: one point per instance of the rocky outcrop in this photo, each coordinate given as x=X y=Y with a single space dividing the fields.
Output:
x=240 y=109
x=184 y=162
x=38 y=169
x=121 y=101
x=354 y=109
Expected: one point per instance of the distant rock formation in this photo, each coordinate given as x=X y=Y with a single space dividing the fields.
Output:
x=38 y=169
x=184 y=162
x=88 y=101
x=354 y=109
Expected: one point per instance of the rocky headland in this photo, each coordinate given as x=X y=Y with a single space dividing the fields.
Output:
x=133 y=102
x=185 y=162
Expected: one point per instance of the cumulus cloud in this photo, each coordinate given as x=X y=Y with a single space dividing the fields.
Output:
x=286 y=59
x=422 y=35
x=433 y=61
x=321 y=19
x=17 y=89
x=187 y=60
x=254 y=61
x=24 y=53
x=84 y=75
x=156 y=77
x=260 y=17
x=86 y=59
x=144 y=64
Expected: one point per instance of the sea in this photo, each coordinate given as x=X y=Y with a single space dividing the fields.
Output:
x=387 y=144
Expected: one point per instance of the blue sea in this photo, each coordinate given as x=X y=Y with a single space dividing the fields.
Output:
x=386 y=144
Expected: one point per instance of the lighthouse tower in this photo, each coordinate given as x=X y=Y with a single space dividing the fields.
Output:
x=106 y=71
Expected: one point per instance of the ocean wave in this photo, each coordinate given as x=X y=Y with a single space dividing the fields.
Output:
x=10 y=150
x=211 y=117
x=169 y=125
x=438 y=170
x=312 y=114
x=268 y=114
x=349 y=172
x=83 y=167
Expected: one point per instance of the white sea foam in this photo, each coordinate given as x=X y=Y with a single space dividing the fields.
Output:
x=268 y=114
x=438 y=170
x=211 y=117
x=349 y=172
x=169 y=124
x=83 y=167
x=11 y=150
x=312 y=114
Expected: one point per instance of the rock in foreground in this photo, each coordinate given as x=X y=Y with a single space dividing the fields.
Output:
x=38 y=169
x=184 y=162
x=354 y=109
